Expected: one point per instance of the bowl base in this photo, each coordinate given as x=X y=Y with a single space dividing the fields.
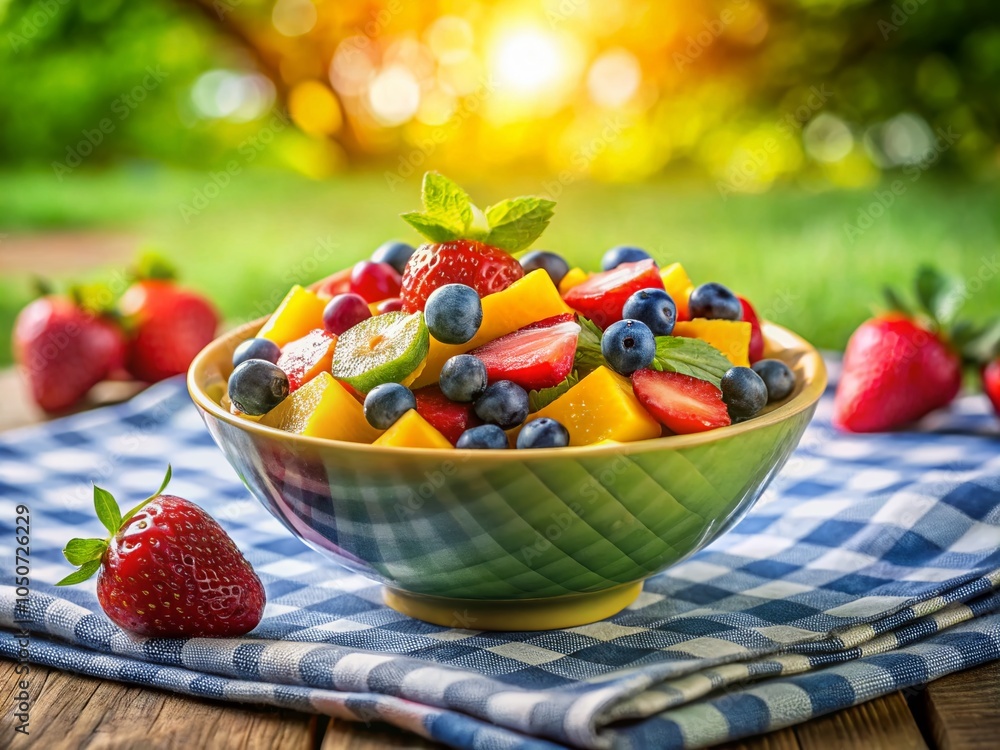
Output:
x=514 y=614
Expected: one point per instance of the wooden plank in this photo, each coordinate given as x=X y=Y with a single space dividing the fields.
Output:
x=72 y=711
x=881 y=724
x=963 y=709
x=782 y=739
x=345 y=735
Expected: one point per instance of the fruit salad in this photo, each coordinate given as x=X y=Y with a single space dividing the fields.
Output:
x=471 y=341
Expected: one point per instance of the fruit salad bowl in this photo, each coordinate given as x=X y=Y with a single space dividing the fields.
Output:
x=510 y=540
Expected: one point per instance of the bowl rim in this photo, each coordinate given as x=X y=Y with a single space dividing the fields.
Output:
x=805 y=399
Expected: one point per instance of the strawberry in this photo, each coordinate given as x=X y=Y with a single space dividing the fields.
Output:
x=450 y=418
x=305 y=358
x=537 y=356
x=991 y=383
x=601 y=297
x=169 y=325
x=167 y=570
x=486 y=269
x=682 y=403
x=64 y=351
x=756 y=335
x=904 y=364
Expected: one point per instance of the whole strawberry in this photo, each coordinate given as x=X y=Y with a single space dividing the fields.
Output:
x=900 y=366
x=168 y=570
x=991 y=383
x=63 y=350
x=467 y=245
x=168 y=324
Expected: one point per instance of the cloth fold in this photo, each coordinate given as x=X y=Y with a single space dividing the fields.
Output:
x=871 y=564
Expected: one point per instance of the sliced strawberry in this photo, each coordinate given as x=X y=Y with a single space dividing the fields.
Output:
x=601 y=297
x=683 y=403
x=537 y=356
x=305 y=358
x=756 y=335
x=486 y=269
x=450 y=418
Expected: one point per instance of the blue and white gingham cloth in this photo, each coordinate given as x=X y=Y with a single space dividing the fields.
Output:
x=872 y=564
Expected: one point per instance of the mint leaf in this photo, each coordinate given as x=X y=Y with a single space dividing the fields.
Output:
x=939 y=295
x=691 y=357
x=516 y=223
x=108 y=512
x=446 y=202
x=588 y=346
x=432 y=228
x=82 y=551
x=86 y=571
x=538 y=400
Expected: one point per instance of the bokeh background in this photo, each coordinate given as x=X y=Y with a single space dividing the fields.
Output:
x=804 y=152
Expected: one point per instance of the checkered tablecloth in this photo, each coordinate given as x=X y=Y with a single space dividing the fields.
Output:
x=871 y=564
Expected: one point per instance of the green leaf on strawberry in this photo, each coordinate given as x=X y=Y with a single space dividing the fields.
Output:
x=689 y=356
x=87 y=553
x=510 y=225
x=940 y=296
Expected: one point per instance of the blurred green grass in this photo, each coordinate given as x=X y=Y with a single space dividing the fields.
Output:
x=789 y=251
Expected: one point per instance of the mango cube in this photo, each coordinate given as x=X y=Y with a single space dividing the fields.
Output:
x=300 y=311
x=731 y=337
x=527 y=300
x=599 y=408
x=322 y=408
x=679 y=287
x=413 y=431
x=574 y=277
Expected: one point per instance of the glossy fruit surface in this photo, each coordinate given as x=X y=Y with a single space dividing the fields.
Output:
x=628 y=345
x=744 y=392
x=483 y=437
x=894 y=371
x=394 y=304
x=412 y=431
x=322 y=408
x=386 y=403
x=486 y=269
x=384 y=349
x=539 y=355
x=622 y=254
x=756 y=349
x=682 y=403
x=453 y=313
x=552 y=263
x=778 y=378
x=395 y=253
x=543 y=432
x=257 y=386
x=450 y=418
x=463 y=378
x=298 y=313
x=375 y=281
x=602 y=297
x=256 y=349
x=655 y=308
x=715 y=302
x=345 y=311
x=731 y=337
x=504 y=404
x=678 y=285
x=305 y=358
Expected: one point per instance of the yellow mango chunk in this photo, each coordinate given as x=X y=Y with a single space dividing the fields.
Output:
x=574 y=277
x=731 y=337
x=679 y=287
x=322 y=408
x=527 y=300
x=599 y=408
x=413 y=431
x=300 y=311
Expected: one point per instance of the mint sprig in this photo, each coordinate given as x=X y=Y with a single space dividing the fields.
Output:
x=88 y=553
x=588 y=346
x=539 y=399
x=449 y=214
x=693 y=357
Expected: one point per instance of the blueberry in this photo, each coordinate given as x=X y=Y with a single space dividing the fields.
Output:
x=744 y=392
x=715 y=301
x=453 y=313
x=655 y=308
x=257 y=386
x=777 y=376
x=463 y=378
x=483 y=437
x=628 y=345
x=386 y=403
x=622 y=254
x=256 y=349
x=396 y=254
x=503 y=403
x=543 y=433
x=554 y=265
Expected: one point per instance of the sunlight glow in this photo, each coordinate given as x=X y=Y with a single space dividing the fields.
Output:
x=528 y=61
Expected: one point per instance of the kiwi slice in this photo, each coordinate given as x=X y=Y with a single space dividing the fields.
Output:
x=385 y=348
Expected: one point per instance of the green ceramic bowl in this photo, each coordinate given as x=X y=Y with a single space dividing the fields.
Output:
x=519 y=540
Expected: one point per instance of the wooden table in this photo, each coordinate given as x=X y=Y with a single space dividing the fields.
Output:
x=959 y=712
